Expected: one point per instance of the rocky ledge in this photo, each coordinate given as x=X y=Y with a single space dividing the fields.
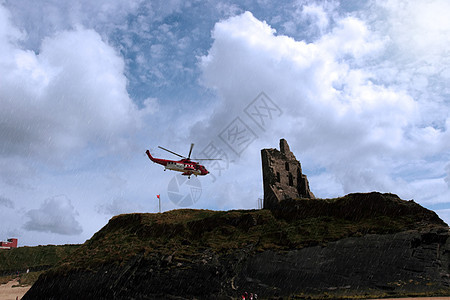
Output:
x=360 y=245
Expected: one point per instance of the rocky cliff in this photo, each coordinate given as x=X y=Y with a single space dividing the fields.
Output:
x=370 y=245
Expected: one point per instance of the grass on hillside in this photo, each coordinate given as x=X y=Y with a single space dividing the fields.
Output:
x=23 y=258
x=35 y=259
x=185 y=233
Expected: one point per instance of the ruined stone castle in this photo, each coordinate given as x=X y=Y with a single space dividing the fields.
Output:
x=282 y=176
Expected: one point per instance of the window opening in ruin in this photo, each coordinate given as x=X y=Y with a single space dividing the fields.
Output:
x=286 y=165
x=278 y=176
x=291 y=179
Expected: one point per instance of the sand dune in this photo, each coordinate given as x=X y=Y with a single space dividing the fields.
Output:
x=8 y=292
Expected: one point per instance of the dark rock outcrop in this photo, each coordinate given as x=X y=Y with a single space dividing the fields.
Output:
x=356 y=207
x=362 y=244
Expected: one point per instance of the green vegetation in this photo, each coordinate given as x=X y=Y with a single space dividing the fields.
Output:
x=183 y=248
x=29 y=278
x=23 y=258
x=36 y=259
x=296 y=224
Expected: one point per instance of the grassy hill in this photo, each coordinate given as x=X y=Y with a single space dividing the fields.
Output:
x=361 y=244
x=36 y=259
x=294 y=225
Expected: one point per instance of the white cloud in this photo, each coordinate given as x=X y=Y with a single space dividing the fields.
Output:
x=418 y=28
x=447 y=177
x=69 y=95
x=417 y=57
x=55 y=215
x=65 y=116
x=351 y=39
x=227 y=9
x=317 y=14
x=8 y=33
x=309 y=19
x=64 y=15
x=335 y=111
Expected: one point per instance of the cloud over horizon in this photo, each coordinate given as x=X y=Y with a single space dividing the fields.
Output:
x=55 y=215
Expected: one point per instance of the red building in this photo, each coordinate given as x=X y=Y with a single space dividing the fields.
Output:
x=11 y=243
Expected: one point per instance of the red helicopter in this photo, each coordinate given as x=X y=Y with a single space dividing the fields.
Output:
x=184 y=165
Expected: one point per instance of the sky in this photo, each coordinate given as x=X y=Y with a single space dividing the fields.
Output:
x=359 y=89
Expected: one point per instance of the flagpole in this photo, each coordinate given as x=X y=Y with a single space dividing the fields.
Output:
x=159 y=198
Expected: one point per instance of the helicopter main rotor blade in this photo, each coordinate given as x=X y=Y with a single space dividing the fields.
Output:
x=171 y=152
x=206 y=159
x=190 y=151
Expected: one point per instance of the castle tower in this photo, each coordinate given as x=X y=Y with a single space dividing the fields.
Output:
x=282 y=176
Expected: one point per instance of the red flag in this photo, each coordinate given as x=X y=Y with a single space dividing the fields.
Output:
x=157 y=196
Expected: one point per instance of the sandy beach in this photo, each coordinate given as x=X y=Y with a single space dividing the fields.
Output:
x=418 y=298
x=8 y=292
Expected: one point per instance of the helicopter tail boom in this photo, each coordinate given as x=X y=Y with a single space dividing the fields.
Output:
x=156 y=160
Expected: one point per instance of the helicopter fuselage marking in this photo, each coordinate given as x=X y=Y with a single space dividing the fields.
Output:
x=181 y=168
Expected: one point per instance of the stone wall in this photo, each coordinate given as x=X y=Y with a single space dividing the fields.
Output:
x=282 y=176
